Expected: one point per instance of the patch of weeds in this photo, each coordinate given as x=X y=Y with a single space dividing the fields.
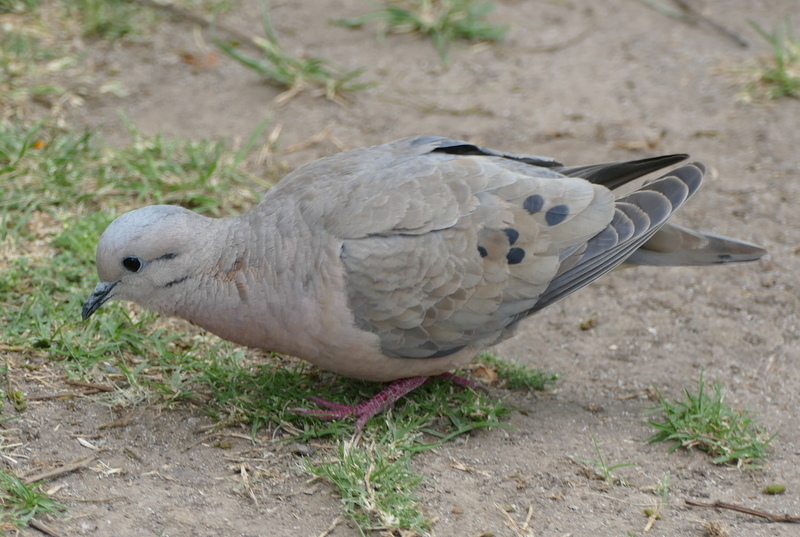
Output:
x=519 y=375
x=22 y=58
x=377 y=486
x=601 y=468
x=18 y=6
x=107 y=19
x=375 y=482
x=660 y=489
x=779 y=75
x=196 y=175
x=258 y=393
x=43 y=169
x=705 y=422
x=444 y=20
x=21 y=502
x=294 y=74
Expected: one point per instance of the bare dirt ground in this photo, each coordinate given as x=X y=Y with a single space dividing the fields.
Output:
x=580 y=81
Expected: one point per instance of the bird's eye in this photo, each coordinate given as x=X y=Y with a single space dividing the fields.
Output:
x=132 y=263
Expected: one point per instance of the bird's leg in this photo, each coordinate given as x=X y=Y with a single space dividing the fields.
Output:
x=465 y=382
x=384 y=400
x=364 y=411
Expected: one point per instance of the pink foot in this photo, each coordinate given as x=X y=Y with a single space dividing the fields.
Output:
x=384 y=400
x=364 y=411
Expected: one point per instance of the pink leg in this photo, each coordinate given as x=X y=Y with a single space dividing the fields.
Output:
x=384 y=400
x=364 y=411
x=467 y=383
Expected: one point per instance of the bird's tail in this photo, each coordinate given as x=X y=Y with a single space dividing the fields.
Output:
x=674 y=245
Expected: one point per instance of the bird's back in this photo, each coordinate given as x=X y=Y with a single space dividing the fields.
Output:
x=446 y=245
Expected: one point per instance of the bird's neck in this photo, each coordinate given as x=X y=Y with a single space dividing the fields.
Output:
x=262 y=283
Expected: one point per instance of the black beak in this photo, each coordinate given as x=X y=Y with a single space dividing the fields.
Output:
x=101 y=295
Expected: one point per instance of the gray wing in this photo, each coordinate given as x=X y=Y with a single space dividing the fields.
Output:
x=460 y=246
x=445 y=244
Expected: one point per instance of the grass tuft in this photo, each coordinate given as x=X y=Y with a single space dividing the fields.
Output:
x=705 y=422
x=295 y=74
x=21 y=502
x=444 y=20
x=107 y=19
x=779 y=75
x=517 y=376
x=377 y=486
x=601 y=468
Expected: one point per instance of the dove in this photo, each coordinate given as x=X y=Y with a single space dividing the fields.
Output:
x=402 y=261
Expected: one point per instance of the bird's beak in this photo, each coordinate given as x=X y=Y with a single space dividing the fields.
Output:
x=101 y=295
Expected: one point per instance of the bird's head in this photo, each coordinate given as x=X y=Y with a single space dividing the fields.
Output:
x=145 y=255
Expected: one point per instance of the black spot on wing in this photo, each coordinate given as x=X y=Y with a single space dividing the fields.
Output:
x=533 y=203
x=482 y=251
x=515 y=256
x=512 y=235
x=556 y=214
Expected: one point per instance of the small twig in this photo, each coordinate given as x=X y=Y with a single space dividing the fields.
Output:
x=324 y=134
x=666 y=10
x=91 y=385
x=122 y=422
x=566 y=43
x=198 y=442
x=44 y=528
x=63 y=395
x=520 y=531
x=67 y=468
x=332 y=527
x=688 y=13
x=745 y=510
x=162 y=476
x=690 y=9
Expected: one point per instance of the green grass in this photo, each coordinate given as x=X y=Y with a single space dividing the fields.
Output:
x=107 y=19
x=378 y=488
x=515 y=376
x=779 y=75
x=602 y=470
x=18 y=6
x=293 y=73
x=20 y=502
x=704 y=421
x=443 y=20
x=23 y=58
x=42 y=43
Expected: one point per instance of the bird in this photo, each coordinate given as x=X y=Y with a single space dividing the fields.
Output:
x=402 y=261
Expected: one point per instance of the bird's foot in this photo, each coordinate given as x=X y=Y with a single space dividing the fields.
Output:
x=384 y=400
x=364 y=411
x=465 y=382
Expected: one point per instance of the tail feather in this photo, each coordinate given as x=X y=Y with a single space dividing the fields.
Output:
x=638 y=217
x=675 y=245
x=615 y=174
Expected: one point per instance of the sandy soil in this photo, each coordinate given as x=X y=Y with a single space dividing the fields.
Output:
x=583 y=82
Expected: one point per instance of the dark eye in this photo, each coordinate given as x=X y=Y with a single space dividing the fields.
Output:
x=132 y=263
